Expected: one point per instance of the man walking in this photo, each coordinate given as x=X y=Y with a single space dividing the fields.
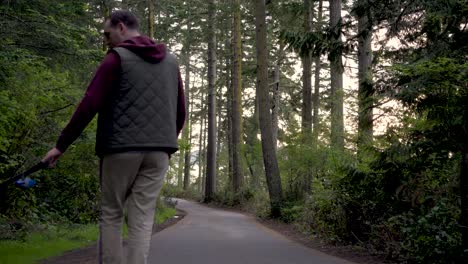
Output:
x=138 y=94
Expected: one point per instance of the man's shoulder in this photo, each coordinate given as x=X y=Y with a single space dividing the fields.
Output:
x=111 y=60
x=171 y=57
x=120 y=51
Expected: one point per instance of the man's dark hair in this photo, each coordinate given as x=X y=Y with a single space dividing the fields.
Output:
x=125 y=17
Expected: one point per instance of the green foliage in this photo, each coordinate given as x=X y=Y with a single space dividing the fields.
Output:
x=402 y=200
x=170 y=190
x=46 y=53
x=402 y=184
x=291 y=213
x=163 y=214
x=432 y=236
x=230 y=199
x=437 y=90
x=47 y=242
x=43 y=241
x=26 y=125
x=323 y=216
x=316 y=42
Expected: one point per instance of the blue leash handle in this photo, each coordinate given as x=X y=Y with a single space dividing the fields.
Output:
x=22 y=180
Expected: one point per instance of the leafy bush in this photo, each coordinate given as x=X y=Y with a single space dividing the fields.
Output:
x=291 y=213
x=428 y=237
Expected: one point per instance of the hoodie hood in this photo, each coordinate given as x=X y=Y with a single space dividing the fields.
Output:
x=146 y=48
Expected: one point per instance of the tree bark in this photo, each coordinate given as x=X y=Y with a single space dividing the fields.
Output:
x=307 y=76
x=229 y=94
x=366 y=89
x=237 y=100
x=316 y=95
x=269 y=154
x=336 y=74
x=188 y=155
x=307 y=95
x=211 y=150
x=219 y=127
x=203 y=168
x=229 y=138
x=187 y=130
x=200 y=148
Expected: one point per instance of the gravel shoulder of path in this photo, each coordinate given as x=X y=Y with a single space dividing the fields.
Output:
x=351 y=253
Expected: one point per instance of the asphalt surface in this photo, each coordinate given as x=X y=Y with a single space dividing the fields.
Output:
x=214 y=236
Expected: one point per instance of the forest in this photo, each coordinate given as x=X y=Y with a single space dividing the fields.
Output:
x=347 y=119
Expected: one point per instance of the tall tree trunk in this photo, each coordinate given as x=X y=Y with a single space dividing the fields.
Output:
x=307 y=95
x=306 y=76
x=229 y=136
x=188 y=153
x=204 y=153
x=151 y=14
x=237 y=100
x=336 y=74
x=200 y=147
x=220 y=132
x=366 y=89
x=269 y=154
x=219 y=112
x=187 y=129
x=276 y=94
x=306 y=123
x=230 y=143
x=211 y=151
x=229 y=94
x=316 y=95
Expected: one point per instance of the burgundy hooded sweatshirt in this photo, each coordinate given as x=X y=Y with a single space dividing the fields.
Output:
x=107 y=77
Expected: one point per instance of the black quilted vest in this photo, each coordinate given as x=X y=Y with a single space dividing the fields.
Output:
x=141 y=113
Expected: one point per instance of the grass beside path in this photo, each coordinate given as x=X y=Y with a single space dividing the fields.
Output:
x=57 y=240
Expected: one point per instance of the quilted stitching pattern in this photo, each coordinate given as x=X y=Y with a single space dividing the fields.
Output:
x=143 y=111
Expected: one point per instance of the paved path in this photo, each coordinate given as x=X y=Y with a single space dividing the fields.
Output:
x=213 y=236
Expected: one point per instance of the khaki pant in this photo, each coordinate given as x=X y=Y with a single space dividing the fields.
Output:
x=134 y=178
